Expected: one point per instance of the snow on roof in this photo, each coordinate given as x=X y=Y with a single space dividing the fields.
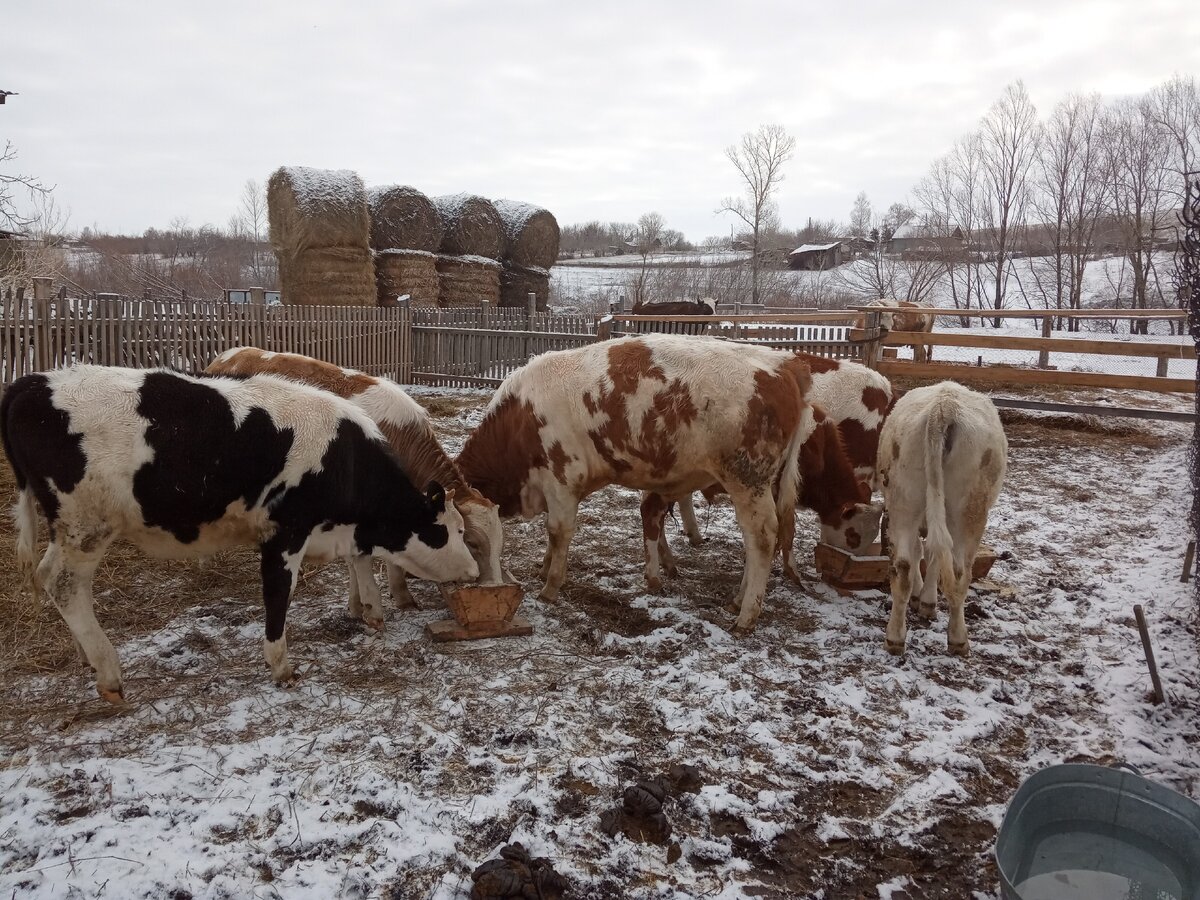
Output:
x=810 y=248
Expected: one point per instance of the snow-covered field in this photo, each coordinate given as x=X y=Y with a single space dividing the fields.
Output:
x=830 y=769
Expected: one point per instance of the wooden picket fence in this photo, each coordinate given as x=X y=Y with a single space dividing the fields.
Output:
x=38 y=333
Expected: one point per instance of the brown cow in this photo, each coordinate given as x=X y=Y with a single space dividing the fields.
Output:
x=406 y=427
x=908 y=321
x=657 y=413
x=705 y=307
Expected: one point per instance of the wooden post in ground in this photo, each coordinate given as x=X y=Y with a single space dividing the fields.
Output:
x=1140 y=616
x=604 y=328
x=258 y=296
x=530 y=321
x=1188 y=558
x=1161 y=371
x=1044 y=355
x=484 y=343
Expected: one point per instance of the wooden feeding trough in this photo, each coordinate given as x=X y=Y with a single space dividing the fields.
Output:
x=481 y=611
x=848 y=572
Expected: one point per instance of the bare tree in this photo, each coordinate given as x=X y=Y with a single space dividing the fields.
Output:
x=1008 y=146
x=1068 y=197
x=759 y=160
x=253 y=216
x=860 y=216
x=12 y=186
x=1140 y=194
x=648 y=238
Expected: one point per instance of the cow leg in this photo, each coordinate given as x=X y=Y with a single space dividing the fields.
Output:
x=560 y=528
x=687 y=515
x=654 y=516
x=398 y=585
x=370 y=604
x=354 y=603
x=65 y=574
x=280 y=571
x=927 y=588
x=757 y=518
x=966 y=545
x=906 y=564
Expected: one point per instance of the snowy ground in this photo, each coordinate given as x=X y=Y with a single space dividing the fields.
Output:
x=830 y=768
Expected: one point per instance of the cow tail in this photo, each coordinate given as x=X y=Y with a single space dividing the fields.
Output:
x=939 y=440
x=789 y=474
x=25 y=517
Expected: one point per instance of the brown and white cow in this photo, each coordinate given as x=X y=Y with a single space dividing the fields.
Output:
x=406 y=427
x=657 y=413
x=921 y=322
x=942 y=458
x=829 y=486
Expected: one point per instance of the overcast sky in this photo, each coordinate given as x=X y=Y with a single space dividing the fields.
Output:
x=143 y=112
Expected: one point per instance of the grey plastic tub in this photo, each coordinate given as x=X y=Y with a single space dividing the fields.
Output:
x=1082 y=832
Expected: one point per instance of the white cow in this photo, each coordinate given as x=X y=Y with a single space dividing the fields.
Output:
x=942 y=457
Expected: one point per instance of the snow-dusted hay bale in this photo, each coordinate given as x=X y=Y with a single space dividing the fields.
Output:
x=314 y=208
x=471 y=226
x=411 y=272
x=403 y=218
x=518 y=282
x=531 y=234
x=329 y=276
x=467 y=280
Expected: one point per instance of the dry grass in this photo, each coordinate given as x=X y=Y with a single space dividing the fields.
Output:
x=472 y=227
x=403 y=218
x=531 y=234
x=309 y=208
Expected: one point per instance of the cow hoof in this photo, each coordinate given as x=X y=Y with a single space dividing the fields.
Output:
x=742 y=630
x=115 y=697
x=654 y=585
x=963 y=649
x=695 y=540
x=671 y=570
x=792 y=575
x=896 y=648
x=375 y=623
x=285 y=677
x=548 y=596
x=405 y=601
x=926 y=612
x=732 y=607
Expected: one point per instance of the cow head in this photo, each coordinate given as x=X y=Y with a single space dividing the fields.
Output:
x=856 y=527
x=436 y=550
x=484 y=535
x=710 y=303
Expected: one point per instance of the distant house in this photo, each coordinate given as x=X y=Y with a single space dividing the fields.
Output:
x=926 y=238
x=816 y=257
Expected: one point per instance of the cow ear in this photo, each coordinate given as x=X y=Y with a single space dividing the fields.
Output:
x=436 y=495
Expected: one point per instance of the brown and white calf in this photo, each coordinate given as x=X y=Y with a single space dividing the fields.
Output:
x=837 y=466
x=921 y=322
x=182 y=466
x=406 y=427
x=942 y=458
x=656 y=413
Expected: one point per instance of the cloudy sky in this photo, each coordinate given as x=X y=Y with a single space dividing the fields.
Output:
x=140 y=113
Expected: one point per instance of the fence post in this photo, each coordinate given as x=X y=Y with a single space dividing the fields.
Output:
x=874 y=343
x=1044 y=356
x=604 y=327
x=484 y=341
x=43 y=293
x=1162 y=366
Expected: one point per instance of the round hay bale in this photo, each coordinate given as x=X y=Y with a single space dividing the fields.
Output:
x=471 y=226
x=531 y=233
x=403 y=218
x=518 y=282
x=316 y=208
x=331 y=276
x=411 y=272
x=467 y=280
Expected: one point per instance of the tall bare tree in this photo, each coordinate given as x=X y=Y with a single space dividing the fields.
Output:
x=951 y=201
x=1008 y=146
x=12 y=186
x=860 y=216
x=1068 y=199
x=253 y=217
x=759 y=159
x=1140 y=190
x=648 y=238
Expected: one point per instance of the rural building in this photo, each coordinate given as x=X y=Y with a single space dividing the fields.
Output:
x=816 y=257
x=925 y=238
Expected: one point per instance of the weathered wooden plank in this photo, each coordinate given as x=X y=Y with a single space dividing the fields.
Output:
x=1012 y=375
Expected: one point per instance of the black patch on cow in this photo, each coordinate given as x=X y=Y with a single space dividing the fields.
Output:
x=37 y=439
x=951 y=435
x=203 y=460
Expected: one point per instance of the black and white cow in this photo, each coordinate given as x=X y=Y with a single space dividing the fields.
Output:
x=182 y=466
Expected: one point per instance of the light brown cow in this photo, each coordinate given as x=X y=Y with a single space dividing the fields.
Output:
x=658 y=413
x=406 y=427
x=942 y=458
x=908 y=321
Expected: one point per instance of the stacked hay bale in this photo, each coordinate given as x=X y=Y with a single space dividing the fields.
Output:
x=320 y=230
x=466 y=280
x=472 y=240
x=406 y=231
x=531 y=239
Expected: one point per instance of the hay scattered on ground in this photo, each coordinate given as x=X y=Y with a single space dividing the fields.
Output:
x=310 y=208
x=407 y=272
x=472 y=227
x=531 y=234
x=333 y=276
x=403 y=218
x=467 y=280
x=518 y=282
